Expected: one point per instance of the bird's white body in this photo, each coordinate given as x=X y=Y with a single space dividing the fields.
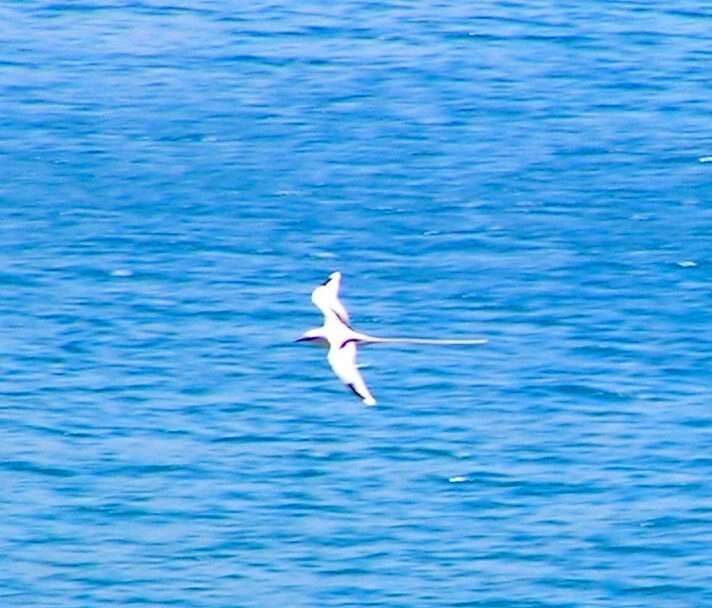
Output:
x=337 y=335
x=341 y=339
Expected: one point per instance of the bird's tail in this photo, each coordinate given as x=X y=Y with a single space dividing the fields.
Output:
x=366 y=339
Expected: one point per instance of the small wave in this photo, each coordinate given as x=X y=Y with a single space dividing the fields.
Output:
x=121 y=272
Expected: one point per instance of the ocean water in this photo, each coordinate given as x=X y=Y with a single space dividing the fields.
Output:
x=175 y=178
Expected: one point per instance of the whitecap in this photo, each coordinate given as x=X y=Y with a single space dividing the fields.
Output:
x=687 y=264
x=121 y=272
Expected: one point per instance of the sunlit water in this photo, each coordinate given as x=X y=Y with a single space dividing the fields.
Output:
x=175 y=179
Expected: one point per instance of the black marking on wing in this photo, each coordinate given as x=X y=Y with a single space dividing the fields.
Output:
x=345 y=342
x=355 y=392
x=340 y=318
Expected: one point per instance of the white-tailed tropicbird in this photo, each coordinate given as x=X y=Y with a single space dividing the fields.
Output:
x=341 y=339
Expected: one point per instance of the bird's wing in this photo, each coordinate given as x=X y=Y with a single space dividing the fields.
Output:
x=343 y=361
x=326 y=298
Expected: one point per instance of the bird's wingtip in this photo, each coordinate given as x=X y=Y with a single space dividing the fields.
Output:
x=334 y=276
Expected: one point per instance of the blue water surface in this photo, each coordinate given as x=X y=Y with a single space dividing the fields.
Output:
x=176 y=177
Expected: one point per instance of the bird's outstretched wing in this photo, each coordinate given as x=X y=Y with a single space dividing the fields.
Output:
x=343 y=361
x=326 y=298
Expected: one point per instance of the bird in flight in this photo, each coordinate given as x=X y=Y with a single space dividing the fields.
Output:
x=342 y=340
